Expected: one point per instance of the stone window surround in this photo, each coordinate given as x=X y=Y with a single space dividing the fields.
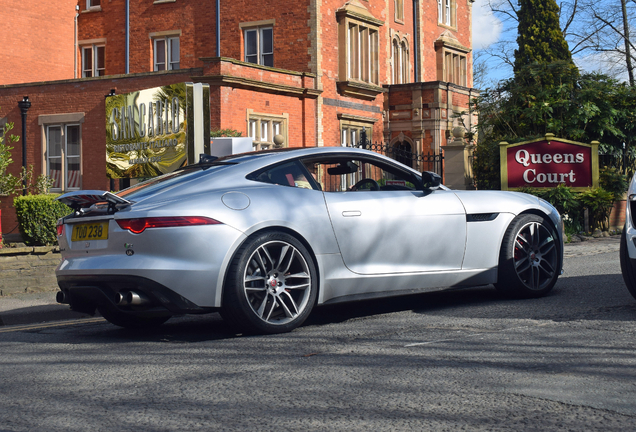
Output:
x=398 y=8
x=356 y=123
x=45 y=120
x=85 y=43
x=255 y=25
x=453 y=15
x=160 y=35
x=400 y=61
x=259 y=116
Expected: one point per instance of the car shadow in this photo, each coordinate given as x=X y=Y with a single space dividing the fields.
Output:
x=573 y=298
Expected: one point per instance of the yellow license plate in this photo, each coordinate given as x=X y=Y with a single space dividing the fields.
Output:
x=90 y=231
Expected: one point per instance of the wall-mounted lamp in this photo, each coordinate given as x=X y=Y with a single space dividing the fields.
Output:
x=24 y=105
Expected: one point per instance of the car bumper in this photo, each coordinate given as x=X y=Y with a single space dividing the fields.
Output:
x=189 y=262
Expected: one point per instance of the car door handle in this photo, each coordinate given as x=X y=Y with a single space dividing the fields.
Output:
x=351 y=213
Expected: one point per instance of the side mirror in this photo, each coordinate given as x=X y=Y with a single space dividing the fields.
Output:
x=430 y=180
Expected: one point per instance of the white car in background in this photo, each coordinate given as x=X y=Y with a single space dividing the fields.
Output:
x=628 y=240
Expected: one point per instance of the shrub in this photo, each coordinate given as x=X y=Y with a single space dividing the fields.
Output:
x=216 y=133
x=599 y=202
x=37 y=218
x=613 y=181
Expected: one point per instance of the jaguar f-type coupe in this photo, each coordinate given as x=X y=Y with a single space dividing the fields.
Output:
x=265 y=237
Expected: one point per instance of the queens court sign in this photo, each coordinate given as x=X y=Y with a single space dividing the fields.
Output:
x=548 y=162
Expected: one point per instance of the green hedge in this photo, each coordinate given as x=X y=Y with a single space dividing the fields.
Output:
x=37 y=217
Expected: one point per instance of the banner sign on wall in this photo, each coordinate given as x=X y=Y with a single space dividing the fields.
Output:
x=549 y=162
x=155 y=131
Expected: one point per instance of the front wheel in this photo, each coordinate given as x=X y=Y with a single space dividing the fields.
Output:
x=271 y=286
x=529 y=258
x=628 y=266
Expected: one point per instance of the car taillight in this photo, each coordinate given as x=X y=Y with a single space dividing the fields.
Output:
x=138 y=225
x=60 y=229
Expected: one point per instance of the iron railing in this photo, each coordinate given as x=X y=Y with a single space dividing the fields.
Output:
x=402 y=153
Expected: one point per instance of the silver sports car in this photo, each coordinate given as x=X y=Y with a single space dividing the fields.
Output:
x=264 y=237
x=628 y=240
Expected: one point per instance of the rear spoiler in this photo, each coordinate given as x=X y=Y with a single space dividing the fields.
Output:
x=78 y=200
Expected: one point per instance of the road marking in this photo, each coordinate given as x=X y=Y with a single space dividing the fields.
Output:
x=49 y=325
x=472 y=335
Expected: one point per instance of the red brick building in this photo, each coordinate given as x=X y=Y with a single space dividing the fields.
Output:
x=315 y=72
x=37 y=40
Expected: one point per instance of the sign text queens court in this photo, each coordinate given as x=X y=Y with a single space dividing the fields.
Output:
x=549 y=162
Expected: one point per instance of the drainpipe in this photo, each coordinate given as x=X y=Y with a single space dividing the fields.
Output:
x=218 y=28
x=75 y=40
x=127 y=36
x=416 y=36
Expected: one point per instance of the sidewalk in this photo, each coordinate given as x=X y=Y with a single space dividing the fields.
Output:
x=41 y=307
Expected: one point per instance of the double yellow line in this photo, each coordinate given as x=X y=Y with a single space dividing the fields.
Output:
x=17 y=328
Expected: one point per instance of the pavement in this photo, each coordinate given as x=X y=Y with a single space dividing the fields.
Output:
x=31 y=308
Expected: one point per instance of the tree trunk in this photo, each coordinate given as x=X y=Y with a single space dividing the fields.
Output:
x=628 y=55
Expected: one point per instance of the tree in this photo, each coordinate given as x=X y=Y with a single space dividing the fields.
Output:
x=582 y=108
x=8 y=182
x=597 y=32
x=540 y=39
x=607 y=36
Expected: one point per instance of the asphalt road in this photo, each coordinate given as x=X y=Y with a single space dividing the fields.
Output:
x=448 y=361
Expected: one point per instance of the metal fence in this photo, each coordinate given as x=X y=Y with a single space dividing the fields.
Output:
x=402 y=153
x=624 y=162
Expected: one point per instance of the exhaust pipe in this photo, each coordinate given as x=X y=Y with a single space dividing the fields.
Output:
x=131 y=298
x=121 y=299
x=136 y=299
x=61 y=297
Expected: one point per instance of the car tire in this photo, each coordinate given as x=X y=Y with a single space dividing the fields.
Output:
x=131 y=322
x=628 y=265
x=271 y=285
x=529 y=258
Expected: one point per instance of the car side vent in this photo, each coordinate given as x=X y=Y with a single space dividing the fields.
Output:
x=481 y=217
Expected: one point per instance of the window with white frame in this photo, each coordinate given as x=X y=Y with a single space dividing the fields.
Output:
x=63 y=156
x=445 y=12
x=92 y=3
x=93 y=63
x=352 y=132
x=262 y=128
x=259 y=45
x=166 y=53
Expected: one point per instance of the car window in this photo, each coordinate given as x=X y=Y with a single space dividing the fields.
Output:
x=359 y=174
x=292 y=174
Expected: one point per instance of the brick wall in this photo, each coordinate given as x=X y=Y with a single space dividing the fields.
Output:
x=37 y=40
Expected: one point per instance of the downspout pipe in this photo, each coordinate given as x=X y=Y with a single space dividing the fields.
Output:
x=75 y=43
x=218 y=28
x=416 y=42
x=127 y=36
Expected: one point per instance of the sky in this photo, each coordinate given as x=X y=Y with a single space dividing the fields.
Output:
x=488 y=29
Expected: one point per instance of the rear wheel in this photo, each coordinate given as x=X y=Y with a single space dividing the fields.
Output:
x=628 y=266
x=131 y=321
x=529 y=258
x=271 y=285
